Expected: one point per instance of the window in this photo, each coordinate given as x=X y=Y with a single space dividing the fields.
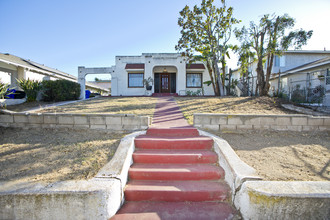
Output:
x=135 y=80
x=194 y=80
x=277 y=61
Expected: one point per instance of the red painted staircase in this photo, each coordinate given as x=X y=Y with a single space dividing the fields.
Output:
x=175 y=176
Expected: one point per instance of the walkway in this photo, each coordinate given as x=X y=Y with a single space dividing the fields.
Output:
x=168 y=115
x=175 y=173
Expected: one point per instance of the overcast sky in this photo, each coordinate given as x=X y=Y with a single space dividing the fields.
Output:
x=65 y=34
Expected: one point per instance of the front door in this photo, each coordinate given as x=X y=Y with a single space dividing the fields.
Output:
x=165 y=82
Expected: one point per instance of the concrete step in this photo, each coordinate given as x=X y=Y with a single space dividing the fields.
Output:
x=175 y=172
x=164 y=94
x=157 y=142
x=176 y=191
x=173 y=132
x=175 y=210
x=174 y=156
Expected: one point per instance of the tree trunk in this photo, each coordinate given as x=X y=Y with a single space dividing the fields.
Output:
x=260 y=69
x=260 y=77
x=223 y=65
x=229 y=81
x=221 y=88
x=214 y=83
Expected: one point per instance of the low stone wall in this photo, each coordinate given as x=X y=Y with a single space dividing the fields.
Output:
x=112 y=122
x=220 y=122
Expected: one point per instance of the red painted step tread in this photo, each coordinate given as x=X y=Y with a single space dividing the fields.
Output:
x=175 y=210
x=175 y=172
x=156 y=142
x=173 y=132
x=174 y=156
x=182 y=138
x=177 y=191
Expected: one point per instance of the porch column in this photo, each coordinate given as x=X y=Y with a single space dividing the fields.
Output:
x=19 y=74
x=181 y=76
x=82 y=81
x=13 y=81
x=148 y=72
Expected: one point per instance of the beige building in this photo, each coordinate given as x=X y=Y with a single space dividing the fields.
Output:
x=14 y=67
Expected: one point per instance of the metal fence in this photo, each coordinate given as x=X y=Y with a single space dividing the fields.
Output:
x=306 y=91
x=247 y=86
x=309 y=90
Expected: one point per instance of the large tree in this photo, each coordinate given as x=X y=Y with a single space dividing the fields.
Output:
x=205 y=31
x=245 y=58
x=269 y=38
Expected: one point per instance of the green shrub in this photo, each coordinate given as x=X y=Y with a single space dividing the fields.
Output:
x=60 y=90
x=4 y=90
x=192 y=93
x=30 y=87
x=298 y=95
x=315 y=95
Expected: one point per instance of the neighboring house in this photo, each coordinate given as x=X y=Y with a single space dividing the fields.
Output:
x=106 y=84
x=304 y=66
x=13 y=67
x=305 y=82
x=170 y=73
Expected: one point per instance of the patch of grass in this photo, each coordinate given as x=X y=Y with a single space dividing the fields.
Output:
x=229 y=105
x=26 y=106
x=144 y=106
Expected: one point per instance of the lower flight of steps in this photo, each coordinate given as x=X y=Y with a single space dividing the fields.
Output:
x=175 y=176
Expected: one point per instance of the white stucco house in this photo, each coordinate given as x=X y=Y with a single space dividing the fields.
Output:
x=170 y=72
x=306 y=68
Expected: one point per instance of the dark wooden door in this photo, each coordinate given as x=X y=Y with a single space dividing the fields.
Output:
x=165 y=83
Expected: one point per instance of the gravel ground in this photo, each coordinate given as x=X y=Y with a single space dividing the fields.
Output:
x=284 y=156
x=231 y=105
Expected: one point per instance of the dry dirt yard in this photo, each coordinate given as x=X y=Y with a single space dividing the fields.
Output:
x=284 y=156
x=144 y=106
x=52 y=155
x=48 y=155
x=230 y=105
x=26 y=106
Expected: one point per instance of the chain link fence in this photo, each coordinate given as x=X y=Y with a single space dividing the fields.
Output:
x=310 y=90
x=306 y=91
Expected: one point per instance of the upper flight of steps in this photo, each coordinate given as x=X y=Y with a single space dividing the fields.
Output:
x=175 y=176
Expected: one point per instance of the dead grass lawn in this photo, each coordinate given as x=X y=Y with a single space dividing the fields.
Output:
x=47 y=155
x=144 y=106
x=26 y=106
x=284 y=156
x=230 y=105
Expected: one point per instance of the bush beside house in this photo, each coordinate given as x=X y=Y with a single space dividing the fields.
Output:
x=60 y=90
x=30 y=87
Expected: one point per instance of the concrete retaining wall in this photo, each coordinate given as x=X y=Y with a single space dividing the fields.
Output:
x=4 y=102
x=98 y=198
x=284 y=200
x=112 y=122
x=220 y=122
